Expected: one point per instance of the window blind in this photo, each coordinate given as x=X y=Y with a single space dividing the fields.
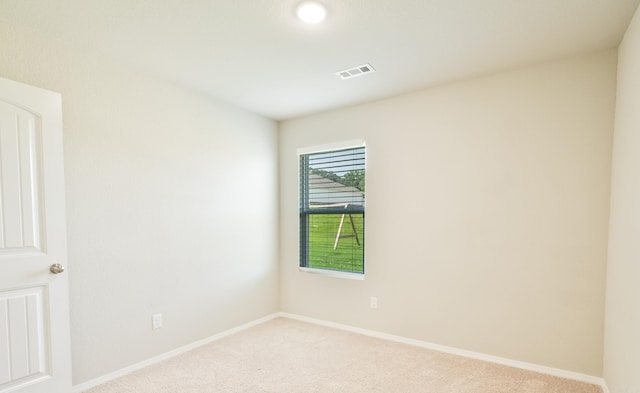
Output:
x=332 y=206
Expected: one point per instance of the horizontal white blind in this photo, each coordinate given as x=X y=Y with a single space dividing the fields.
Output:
x=331 y=146
x=332 y=205
x=333 y=180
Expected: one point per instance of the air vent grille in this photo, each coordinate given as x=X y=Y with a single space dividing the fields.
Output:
x=355 y=71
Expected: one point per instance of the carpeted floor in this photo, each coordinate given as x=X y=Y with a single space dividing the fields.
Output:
x=285 y=355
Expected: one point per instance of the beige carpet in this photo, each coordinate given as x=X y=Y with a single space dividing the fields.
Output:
x=284 y=355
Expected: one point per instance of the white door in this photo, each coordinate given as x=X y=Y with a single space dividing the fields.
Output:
x=34 y=306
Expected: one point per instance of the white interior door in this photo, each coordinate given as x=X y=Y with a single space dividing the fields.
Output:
x=34 y=307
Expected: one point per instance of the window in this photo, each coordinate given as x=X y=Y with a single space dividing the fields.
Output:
x=332 y=204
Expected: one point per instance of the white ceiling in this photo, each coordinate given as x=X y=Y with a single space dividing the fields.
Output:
x=257 y=55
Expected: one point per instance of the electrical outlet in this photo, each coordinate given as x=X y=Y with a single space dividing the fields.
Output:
x=373 y=303
x=156 y=321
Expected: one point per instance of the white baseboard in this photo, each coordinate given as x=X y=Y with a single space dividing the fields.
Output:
x=371 y=333
x=156 y=359
x=456 y=351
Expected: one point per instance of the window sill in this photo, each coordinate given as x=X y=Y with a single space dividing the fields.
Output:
x=333 y=273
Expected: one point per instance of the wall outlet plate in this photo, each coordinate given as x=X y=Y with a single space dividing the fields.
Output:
x=156 y=321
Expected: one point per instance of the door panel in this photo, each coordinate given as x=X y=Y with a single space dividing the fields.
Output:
x=22 y=340
x=34 y=310
x=20 y=224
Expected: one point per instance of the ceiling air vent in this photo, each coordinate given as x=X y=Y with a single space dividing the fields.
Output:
x=355 y=71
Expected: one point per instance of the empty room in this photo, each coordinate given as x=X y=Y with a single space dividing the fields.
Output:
x=206 y=196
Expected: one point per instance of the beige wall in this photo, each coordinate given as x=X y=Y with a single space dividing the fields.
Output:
x=171 y=206
x=622 y=327
x=487 y=214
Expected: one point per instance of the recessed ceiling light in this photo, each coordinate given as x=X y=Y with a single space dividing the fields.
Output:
x=311 y=12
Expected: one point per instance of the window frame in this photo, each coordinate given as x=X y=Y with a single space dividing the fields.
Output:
x=303 y=201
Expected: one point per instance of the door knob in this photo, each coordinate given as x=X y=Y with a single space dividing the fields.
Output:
x=56 y=268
